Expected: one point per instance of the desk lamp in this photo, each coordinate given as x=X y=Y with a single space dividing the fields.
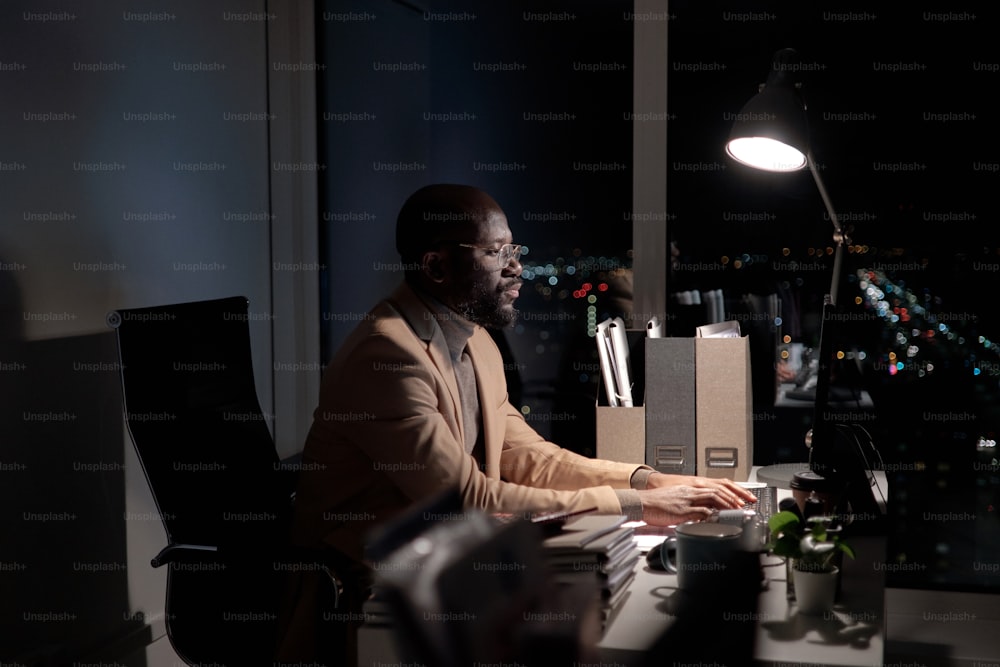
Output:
x=771 y=133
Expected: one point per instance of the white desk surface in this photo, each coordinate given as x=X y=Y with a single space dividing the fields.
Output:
x=852 y=635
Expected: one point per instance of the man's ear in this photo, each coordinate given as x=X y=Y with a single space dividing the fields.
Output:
x=434 y=266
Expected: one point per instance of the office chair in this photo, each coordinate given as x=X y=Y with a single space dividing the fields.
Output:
x=222 y=496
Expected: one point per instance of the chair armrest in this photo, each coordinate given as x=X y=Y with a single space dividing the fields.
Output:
x=187 y=553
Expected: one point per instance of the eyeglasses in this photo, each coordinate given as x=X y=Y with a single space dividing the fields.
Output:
x=504 y=254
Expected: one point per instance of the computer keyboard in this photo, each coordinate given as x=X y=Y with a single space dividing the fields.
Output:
x=767 y=498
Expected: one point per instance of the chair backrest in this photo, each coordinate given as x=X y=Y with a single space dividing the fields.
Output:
x=195 y=420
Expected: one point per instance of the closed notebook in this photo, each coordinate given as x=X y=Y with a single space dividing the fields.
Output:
x=607 y=551
x=581 y=532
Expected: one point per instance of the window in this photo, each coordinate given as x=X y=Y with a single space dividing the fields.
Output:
x=532 y=102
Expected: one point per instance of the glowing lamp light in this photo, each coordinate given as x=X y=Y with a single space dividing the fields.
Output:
x=771 y=133
x=766 y=154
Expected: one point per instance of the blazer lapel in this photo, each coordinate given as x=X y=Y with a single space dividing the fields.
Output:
x=420 y=319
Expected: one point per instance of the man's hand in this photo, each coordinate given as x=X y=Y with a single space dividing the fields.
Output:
x=672 y=499
x=734 y=494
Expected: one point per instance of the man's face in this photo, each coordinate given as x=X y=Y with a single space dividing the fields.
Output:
x=483 y=290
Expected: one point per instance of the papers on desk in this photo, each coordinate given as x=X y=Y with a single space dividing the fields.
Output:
x=646 y=537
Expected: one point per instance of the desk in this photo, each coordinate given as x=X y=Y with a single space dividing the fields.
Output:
x=854 y=634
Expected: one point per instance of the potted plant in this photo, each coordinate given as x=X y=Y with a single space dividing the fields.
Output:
x=811 y=548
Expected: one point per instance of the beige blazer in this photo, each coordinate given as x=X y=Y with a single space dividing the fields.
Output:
x=388 y=432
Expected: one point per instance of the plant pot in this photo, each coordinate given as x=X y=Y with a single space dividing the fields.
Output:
x=815 y=591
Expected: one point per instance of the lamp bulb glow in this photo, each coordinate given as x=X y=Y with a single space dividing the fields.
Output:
x=767 y=154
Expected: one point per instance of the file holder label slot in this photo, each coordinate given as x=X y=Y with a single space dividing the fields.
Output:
x=668 y=457
x=722 y=457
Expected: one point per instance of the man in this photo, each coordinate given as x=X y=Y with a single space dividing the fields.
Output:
x=415 y=401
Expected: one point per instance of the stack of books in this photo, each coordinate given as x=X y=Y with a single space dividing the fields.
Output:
x=595 y=550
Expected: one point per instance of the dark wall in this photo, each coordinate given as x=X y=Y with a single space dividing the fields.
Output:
x=133 y=171
x=65 y=555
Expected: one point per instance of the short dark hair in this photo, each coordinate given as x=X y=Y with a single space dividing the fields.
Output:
x=437 y=213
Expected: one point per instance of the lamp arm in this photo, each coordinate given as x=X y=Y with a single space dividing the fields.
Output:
x=814 y=440
x=838 y=230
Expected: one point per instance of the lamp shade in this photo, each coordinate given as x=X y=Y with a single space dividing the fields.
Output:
x=771 y=132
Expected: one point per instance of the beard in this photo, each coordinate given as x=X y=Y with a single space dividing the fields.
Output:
x=487 y=308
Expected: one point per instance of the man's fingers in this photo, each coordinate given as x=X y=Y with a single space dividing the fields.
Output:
x=718 y=497
x=745 y=495
x=739 y=501
x=736 y=495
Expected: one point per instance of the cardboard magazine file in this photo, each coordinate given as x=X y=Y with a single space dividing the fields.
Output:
x=671 y=428
x=621 y=432
x=724 y=419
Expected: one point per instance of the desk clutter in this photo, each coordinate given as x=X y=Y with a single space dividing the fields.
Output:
x=597 y=551
x=458 y=587
x=454 y=587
